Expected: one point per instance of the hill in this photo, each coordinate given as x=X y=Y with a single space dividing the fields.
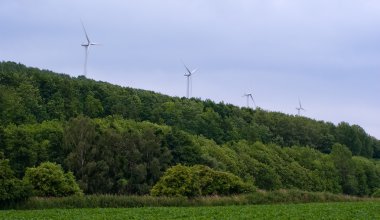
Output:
x=30 y=95
x=121 y=140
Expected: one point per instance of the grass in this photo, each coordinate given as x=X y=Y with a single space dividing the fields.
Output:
x=120 y=201
x=346 y=210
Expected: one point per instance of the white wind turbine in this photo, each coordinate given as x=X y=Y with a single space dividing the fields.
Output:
x=249 y=97
x=189 y=81
x=299 y=108
x=86 y=46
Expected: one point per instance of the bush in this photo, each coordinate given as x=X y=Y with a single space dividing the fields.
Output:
x=198 y=180
x=48 y=179
x=11 y=189
x=176 y=181
x=219 y=183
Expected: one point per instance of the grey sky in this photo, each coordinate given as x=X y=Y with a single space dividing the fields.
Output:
x=325 y=52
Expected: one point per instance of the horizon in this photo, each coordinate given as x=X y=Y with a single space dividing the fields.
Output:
x=324 y=53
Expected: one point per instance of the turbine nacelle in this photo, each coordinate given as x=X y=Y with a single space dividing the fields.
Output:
x=249 y=96
x=299 y=108
x=90 y=44
x=189 y=73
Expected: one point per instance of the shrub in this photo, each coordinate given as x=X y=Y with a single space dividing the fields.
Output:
x=11 y=189
x=48 y=179
x=176 y=181
x=198 y=180
x=219 y=183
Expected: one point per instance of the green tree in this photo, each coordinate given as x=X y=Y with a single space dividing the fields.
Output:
x=342 y=158
x=28 y=145
x=56 y=106
x=12 y=109
x=79 y=139
x=182 y=148
x=92 y=106
x=32 y=101
x=11 y=188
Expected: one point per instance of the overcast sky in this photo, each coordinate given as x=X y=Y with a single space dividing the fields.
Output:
x=325 y=52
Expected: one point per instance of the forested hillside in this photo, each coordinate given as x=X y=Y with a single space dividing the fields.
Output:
x=30 y=95
x=121 y=140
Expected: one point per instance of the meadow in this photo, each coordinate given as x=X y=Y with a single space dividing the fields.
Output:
x=342 y=210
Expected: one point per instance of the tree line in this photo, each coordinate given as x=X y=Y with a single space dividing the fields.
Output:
x=122 y=140
x=121 y=156
x=30 y=95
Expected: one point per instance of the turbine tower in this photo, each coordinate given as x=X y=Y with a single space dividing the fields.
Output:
x=249 y=97
x=189 y=82
x=299 y=108
x=86 y=46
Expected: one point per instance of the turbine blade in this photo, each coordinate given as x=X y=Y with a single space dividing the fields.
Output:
x=187 y=69
x=253 y=100
x=85 y=32
x=194 y=70
x=299 y=102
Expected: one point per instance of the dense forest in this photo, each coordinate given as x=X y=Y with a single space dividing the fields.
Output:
x=121 y=140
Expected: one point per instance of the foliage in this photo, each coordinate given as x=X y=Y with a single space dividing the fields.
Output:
x=28 y=145
x=121 y=140
x=198 y=180
x=31 y=95
x=11 y=189
x=48 y=179
x=177 y=181
x=115 y=156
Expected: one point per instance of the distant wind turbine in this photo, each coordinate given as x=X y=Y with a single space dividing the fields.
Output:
x=189 y=81
x=86 y=47
x=249 y=97
x=299 y=108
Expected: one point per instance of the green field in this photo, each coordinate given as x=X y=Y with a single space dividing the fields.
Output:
x=347 y=210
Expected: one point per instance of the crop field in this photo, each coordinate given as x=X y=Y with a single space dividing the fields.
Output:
x=347 y=210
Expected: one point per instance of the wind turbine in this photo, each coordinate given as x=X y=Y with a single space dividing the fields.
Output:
x=86 y=46
x=249 y=96
x=299 y=108
x=189 y=82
